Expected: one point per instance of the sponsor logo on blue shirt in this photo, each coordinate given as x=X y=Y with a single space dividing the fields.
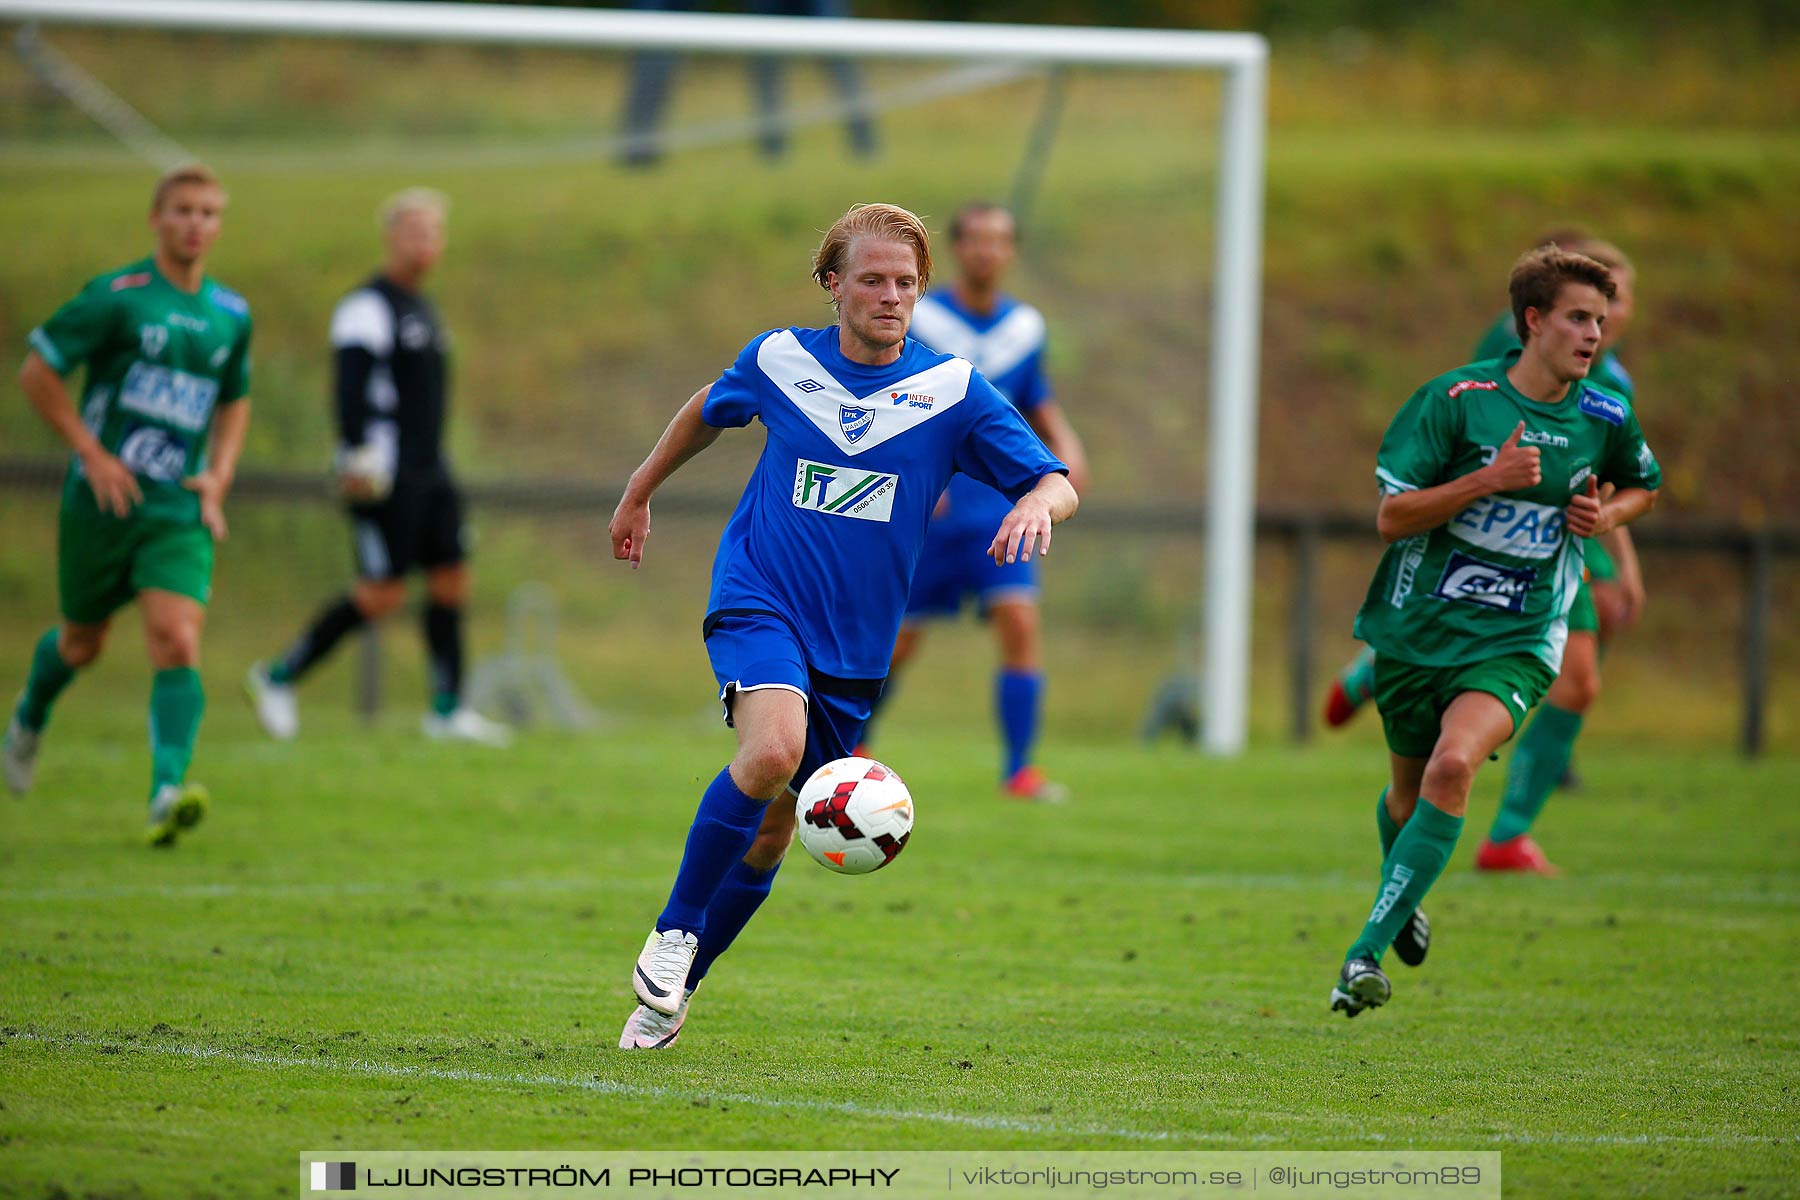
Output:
x=1595 y=404
x=1472 y=581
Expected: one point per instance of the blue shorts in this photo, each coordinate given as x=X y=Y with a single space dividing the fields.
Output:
x=955 y=565
x=753 y=651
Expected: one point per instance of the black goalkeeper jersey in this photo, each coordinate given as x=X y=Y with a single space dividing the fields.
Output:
x=392 y=366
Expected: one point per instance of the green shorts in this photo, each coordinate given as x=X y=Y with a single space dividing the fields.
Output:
x=103 y=562
x=1583 y=618
x=1600 y=565
x=1412 y=699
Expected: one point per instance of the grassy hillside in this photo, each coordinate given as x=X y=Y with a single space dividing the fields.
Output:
x=589 y=300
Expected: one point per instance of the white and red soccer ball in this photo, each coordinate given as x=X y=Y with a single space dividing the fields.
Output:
x=854 y=816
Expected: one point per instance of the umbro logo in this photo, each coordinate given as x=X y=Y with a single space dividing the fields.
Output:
x=810 y=385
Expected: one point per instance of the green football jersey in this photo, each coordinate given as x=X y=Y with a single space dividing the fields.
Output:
x=159 y=363
x=1498 y=577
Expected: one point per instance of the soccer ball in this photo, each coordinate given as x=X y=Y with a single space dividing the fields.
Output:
x=854 y=816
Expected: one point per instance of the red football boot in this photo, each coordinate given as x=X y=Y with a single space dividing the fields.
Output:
x=1514 y=854
x=1028 y=784
x=1339 y=708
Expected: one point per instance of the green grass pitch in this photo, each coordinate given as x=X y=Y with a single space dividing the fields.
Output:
x=374 y=943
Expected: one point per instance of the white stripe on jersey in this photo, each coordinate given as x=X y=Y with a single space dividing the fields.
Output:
x=363 y=319
x=787 y=364
x=1017 y=336
x=1392 y=485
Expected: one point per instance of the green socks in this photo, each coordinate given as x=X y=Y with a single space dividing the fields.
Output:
x=1384 y=823
x=49 y=676
x=1536 y=766
x=1359 y=677
x=176 y=702
x=1420 y=851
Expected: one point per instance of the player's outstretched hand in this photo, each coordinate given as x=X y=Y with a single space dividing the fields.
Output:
x=1515 y=467
x=630 y=529
x=211 y=490
x=1586 y=515
x=115 y=488
x=1027 y=527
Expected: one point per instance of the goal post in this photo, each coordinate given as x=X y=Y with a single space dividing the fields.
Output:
x=1237 y=251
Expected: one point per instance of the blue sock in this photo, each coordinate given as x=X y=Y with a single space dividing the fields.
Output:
x=1016 y=697
x=721 y=834
x=732 y=906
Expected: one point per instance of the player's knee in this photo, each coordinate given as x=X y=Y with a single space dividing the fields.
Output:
x=375 y=599
x=174 y=645
x=1451 y=771
x=764 y=768
x=1016 y=626
x=81 y=646
x=448 y=586
x=1582 y=691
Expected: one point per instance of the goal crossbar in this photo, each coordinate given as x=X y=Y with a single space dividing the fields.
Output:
x=1237 y=251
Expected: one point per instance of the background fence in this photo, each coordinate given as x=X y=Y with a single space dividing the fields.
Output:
x=1303 y=602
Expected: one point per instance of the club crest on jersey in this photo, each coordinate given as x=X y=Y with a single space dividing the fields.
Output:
x=855 y=422
x=1596 y=404
x=153 y=338
x=844 y=491
x=1473 y=581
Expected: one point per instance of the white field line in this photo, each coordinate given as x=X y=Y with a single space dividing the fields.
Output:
x=1231 y=881
x=608 y=1087
x=305 y=891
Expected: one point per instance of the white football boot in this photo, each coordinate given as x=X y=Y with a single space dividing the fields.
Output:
x=276 y=707
x=467 y=725
x=660 y=978
x=18 y=756
x=647 y=1029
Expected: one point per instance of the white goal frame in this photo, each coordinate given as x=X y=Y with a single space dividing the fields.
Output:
x=1237 y=249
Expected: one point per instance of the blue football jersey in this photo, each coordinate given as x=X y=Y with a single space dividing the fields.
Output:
x=1007 y=347
x=828 y=530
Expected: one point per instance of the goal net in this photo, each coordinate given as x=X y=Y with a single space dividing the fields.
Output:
x=633 y=196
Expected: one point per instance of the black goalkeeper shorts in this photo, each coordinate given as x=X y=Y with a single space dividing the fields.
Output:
x=419 y=524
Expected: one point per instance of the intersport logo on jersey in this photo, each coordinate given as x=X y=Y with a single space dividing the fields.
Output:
x=844 y=491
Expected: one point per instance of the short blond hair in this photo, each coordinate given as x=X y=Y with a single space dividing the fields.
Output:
x=889 y=222
x=414 y=200
x=176 y=176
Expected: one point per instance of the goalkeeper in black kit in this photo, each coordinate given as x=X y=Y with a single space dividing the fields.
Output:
x=391 y=356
